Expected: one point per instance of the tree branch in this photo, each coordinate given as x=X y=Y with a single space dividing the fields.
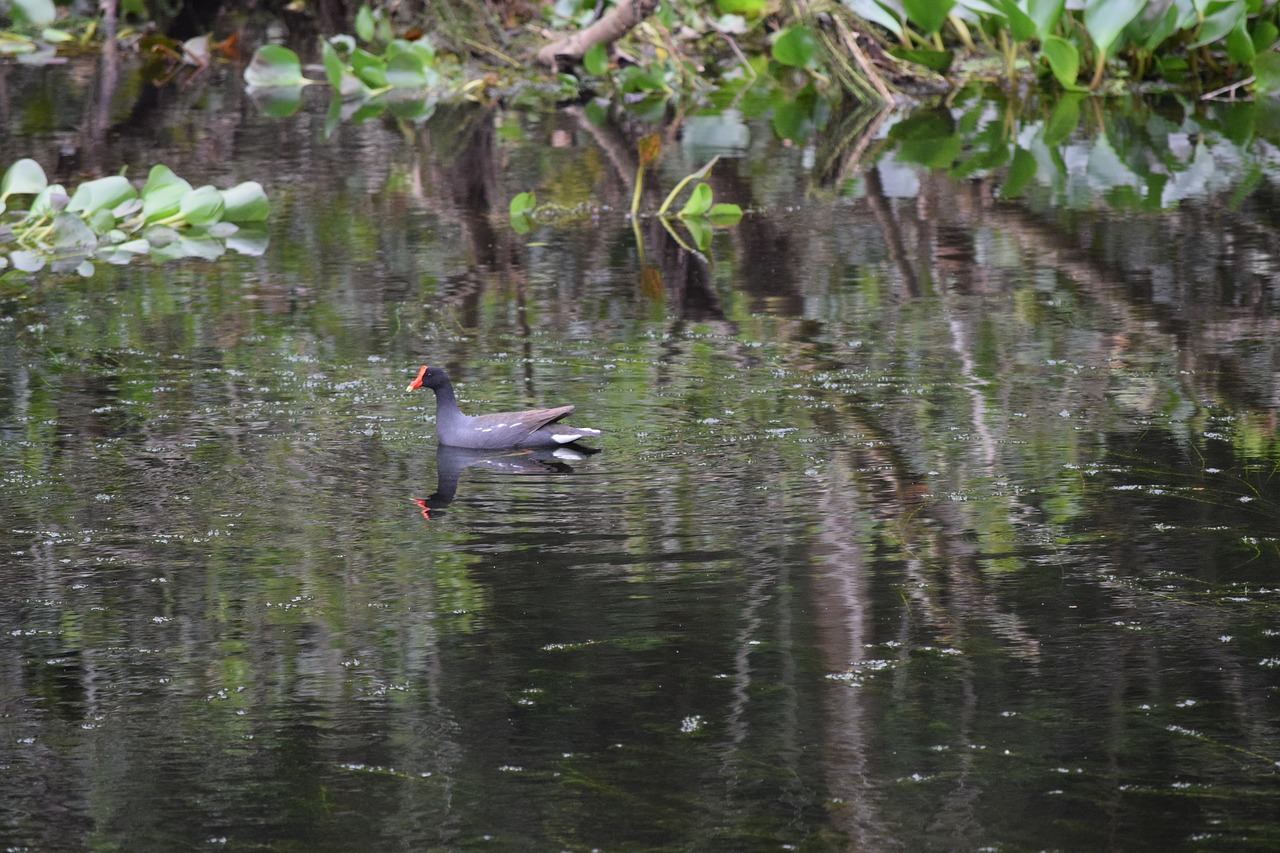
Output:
x=611 y=27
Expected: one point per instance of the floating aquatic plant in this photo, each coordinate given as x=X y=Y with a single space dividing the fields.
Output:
x=108 y=219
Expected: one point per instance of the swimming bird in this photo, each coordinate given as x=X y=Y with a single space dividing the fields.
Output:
x=534 y=428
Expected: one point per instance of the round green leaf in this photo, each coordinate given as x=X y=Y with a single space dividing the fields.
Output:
x=406 y=70
x=724 y=215
x=364 y=24
x=246 y=202
x=928 y=15
x=1266 y=68
x=102 y=194
x=699 y=201
x=795 y=47
x=34 y=13
x=523 y=203
x=202 y=206
x=1106 y=19
x=274 y=65
x=1064 y=62
x=596 y=60
x=25 y=177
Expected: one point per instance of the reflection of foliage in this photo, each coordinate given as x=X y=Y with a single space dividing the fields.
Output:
x=109 y=220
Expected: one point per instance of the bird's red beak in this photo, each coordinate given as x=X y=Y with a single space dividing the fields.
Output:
x=417 y=382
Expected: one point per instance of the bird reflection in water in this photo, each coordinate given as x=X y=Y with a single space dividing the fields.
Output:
x=451 y=460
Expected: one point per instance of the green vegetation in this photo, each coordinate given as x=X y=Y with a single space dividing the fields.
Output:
x=109 y=220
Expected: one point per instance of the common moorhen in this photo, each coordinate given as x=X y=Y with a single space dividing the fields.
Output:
x=537 y=428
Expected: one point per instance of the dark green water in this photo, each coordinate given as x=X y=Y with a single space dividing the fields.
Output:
x=924 y=520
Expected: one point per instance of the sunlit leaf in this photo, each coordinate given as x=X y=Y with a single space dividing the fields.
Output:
x=928 y=15
x=750 y=9
x=34 y=13
x=1106 y=19
x=274 y=65
x=699 y=201
x=101 y=194
x=1064 y=62
x=407 y=70
x=54 y=35
x=596 y=60
x=795 y=47
x=202 y=206
x=51 y=200
x=162 y=195
x=245 y=202
x=24 y=177
x=346 y=84
x=523 y=203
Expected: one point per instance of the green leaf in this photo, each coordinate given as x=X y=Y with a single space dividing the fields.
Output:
x=1264 y=36
x=274 y=65
x=245 y=202
x=934 y=60
x=406 y=70
x=71 y=233
x=928 y=15
x=102 y=194
x=699 y=201
x=1064 y=62
x=1151 y=32
x=365 y=24
x=749 y=9
x=56 y=36
x=25 y=177
x=1045 y=14
x=51 y=200
x=523 y=203
x=795 y=47
x=1266 y=68
x=1021 y=26
x=1106 y=19
x=724 y=215
x=346 y=84
x=1239 y=45
x=202 y=206
x=876 y=13
x=34 y=13
x=927 y=137
x=371 y=69
x=596 y=60
x=162 y=195
x=1220 y=18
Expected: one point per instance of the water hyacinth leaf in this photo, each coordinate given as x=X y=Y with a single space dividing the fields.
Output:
x=101 y=221
x=246 y=202
x=1021 y=25
x=795 y=47
x=25 y=177
x=406 y=70
x=26 y=260
x=523 y=203
x=1240 y=45
x=876 y=13
x=1045 y=14
x=56 y=36
x=1264 y=35
x=34 y=13
x=596 y=60
x=1220 y=18
x=202 y=206
x=724 y=215
x=1106 y=19
x=1266 y=70
x=51 y=200
x=274 y=65
x=344 y=44
x=1064 y=62
x=104 y=193
x=928 y=15
x=372 y=70
x=85 y=269
x=128 y=207
x=346 y=84
x=365 y=24
x=699 y=201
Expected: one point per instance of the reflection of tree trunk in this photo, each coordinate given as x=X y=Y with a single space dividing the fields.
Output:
x=608 y=29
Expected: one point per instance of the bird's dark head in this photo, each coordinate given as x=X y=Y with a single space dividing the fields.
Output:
x=431 y=377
